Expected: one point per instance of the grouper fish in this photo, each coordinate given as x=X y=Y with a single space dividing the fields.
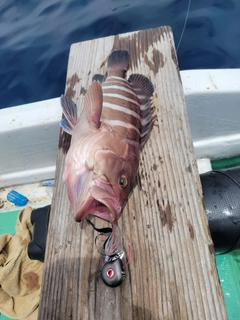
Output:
x=114 y=124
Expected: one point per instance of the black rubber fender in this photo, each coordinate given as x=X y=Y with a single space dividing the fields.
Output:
x=39 y=220
x=221 y=194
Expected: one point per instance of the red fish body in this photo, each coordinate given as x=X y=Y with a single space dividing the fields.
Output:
x=116 y=121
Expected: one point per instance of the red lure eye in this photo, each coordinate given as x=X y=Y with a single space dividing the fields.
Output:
x=123 y=181
x=110 y=273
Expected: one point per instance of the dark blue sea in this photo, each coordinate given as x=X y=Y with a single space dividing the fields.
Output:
x=35 y=37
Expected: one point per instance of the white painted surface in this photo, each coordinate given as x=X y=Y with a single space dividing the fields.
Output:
x=204 y=165
x=29 y=142
x=213 y=103
x=29 y=133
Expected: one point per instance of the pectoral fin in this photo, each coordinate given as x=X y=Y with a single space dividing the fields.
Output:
x=66 y=126
x=142 y=86
x=93 y=103
x=69 y=110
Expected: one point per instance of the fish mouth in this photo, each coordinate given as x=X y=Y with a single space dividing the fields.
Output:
x=100 y=201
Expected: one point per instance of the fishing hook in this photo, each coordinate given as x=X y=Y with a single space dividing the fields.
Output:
x=113 y=272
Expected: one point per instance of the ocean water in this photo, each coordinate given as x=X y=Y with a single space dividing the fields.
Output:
x=35 y=37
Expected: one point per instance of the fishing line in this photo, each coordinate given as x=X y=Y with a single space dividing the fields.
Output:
x=129 y=256
x=185 y=22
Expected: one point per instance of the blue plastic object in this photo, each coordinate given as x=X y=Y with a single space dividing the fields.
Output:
x=48 y=183
x=17 y=198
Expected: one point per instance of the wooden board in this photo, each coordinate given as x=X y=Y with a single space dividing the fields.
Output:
x=172 y=274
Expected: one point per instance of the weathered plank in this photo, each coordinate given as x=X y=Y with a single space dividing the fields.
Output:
x=172 y=274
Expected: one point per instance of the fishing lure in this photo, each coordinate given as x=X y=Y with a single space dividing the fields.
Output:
x=109 y=244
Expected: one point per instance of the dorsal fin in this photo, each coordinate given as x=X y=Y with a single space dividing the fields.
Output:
x=69 y=110
x=93 y=103
x=142 y=86
x=144 y=90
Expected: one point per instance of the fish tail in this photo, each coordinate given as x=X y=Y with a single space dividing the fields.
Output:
x=118 y=62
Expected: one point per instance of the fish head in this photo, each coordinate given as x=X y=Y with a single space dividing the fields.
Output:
x=103 y=191
x=119 y=175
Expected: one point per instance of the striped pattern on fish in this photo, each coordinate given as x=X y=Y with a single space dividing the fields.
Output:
x=121 y=108
x=115 y=123
x=124 y=109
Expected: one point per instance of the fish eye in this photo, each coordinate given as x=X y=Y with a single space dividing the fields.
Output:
x=123 y=181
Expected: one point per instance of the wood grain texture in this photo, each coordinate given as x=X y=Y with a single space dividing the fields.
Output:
x=172 y=274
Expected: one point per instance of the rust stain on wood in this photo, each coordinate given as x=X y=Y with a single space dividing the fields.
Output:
x=71 y=83
x=156 y=62
x=166 y=215
x=160 y=159
x=83 y=91
x=190 y=228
